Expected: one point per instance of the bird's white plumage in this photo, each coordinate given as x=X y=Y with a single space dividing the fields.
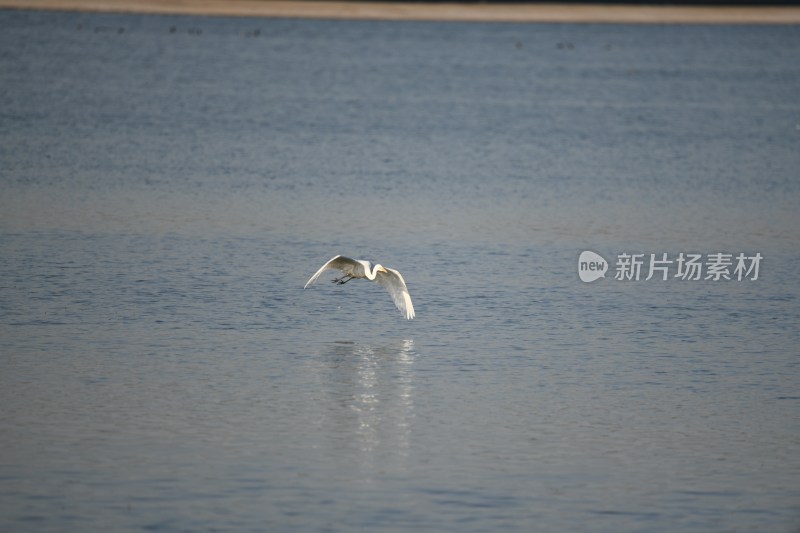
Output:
x=389 y=278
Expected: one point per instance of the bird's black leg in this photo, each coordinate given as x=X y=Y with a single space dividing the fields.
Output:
x=342 y=280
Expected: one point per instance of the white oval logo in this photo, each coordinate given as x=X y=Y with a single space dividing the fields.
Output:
x=591 y=266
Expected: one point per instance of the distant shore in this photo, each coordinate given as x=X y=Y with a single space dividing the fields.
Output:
x=554 y=13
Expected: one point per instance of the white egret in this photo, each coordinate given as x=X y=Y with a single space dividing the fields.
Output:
x=389 y=278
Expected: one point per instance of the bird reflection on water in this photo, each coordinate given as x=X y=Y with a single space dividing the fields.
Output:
x=366 y=402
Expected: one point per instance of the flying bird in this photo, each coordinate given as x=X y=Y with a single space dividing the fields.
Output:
x=389 y=278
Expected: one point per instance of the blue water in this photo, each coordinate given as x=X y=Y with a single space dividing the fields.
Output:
x=170 y=183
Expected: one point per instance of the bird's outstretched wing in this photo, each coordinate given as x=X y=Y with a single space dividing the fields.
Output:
x=345 y=264
x=392 y=281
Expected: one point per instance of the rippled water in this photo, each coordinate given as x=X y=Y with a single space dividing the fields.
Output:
x=169 y=184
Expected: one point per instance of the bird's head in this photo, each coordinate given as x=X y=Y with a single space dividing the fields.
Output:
x=380 y=268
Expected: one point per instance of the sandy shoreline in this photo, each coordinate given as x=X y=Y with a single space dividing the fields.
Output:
x=570 y=13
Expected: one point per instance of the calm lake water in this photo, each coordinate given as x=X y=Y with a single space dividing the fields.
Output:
x=170 y=183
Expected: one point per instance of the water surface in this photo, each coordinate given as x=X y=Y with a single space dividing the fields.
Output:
x=170 y=183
